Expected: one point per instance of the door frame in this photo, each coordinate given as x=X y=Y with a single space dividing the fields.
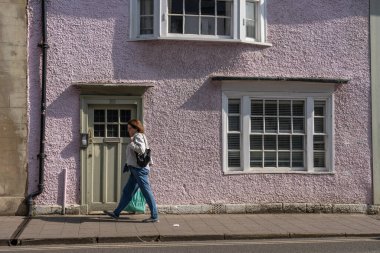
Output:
x=85 y=101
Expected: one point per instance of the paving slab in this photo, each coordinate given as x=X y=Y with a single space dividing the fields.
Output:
x=8 y=226
x=195 y=227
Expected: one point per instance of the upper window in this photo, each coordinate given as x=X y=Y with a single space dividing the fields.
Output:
x=228 y=20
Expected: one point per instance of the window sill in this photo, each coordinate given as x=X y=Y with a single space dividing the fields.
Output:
x=236 y=172
x=175 y=38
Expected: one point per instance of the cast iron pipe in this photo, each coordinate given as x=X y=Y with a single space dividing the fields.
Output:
x=41 y=156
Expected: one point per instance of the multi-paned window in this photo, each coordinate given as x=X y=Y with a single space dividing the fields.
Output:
x=227 y=20
x=278 y=134
x=111 y=122
x=200 y=17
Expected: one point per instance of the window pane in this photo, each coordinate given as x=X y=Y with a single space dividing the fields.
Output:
x=257 y=125
x=270 y=142
x=99 y=115
x=271 y=125
x=257 y=107
x=256 y=159
x=112 y=130
x=233 y=159
x=192 y=7
x=250 y=29
x=256 y=142
x=191 y=25
x=297 y=159
x=250 y=10
x=298 y=125
x=319 y=143
x=233 y=106
x=285 y=125
x=319 y=125
x=112 y=116
x=233 y=123
x=175 y=6
x=233 y=141
x=224 y=27
x=146 y=25
x=146 y=7
x=208 y=26
x=271 y=107
x=298 y=108
x=270 y=159
x=319 y=108
x=176 y=24
x=224 y=8
x=208 y=7
x=125 y=116
x=284 y=142
x=319 y=159
x=284 y=108
x=99 y=130
x=297 y=142
x=283 y=159
x=124 y=131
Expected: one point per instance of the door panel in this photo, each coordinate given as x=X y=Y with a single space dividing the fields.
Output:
x=108 y=139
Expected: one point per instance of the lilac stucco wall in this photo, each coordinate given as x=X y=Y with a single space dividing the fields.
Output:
x=88 y=42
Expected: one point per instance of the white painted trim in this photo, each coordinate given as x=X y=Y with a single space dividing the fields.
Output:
x=224 y=131
x=262 y=24
x=157 y=17
x=164 y=19
x=309 y=134
x=245 y=124
x=201 y=39
x=330 y=125
x=161 y=23
x=274 y=95
x=240 y=20
x=245 y=132
x=277 y=171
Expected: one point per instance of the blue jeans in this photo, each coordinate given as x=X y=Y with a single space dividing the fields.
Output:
x=138 y=178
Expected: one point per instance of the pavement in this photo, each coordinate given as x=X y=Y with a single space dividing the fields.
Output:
x=44 y=230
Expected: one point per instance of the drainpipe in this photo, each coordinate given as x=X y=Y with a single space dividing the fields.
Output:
x=44 y=46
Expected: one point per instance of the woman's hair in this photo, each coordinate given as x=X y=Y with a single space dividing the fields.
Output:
x=136 y=124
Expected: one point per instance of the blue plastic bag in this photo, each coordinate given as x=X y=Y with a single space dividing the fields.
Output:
x=137 y=204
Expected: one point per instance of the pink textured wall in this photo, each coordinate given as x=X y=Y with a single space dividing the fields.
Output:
x=88 y=42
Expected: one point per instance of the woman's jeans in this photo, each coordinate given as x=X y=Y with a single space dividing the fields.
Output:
x=138 y=178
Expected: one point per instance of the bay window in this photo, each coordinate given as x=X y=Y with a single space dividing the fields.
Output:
x=214 y=20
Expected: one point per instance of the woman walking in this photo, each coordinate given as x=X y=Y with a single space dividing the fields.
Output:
x=139 y=176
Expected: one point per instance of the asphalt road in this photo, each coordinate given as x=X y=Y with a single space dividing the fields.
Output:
x=327 y=245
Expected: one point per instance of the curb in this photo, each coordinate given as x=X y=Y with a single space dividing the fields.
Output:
x=198 y=237
x=4 y=242
x=177 y=238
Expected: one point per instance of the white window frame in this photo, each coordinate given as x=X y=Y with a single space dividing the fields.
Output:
x=238 y=24
x=305 y=92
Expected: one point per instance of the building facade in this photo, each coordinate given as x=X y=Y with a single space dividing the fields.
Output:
x=245 y=103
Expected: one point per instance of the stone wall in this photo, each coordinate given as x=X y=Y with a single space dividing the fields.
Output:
x=13 y=120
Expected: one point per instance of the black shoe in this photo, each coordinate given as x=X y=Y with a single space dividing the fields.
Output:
x=152 y=220
x=111 y=214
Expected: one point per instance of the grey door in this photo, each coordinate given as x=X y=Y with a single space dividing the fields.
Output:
x=108 y=138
